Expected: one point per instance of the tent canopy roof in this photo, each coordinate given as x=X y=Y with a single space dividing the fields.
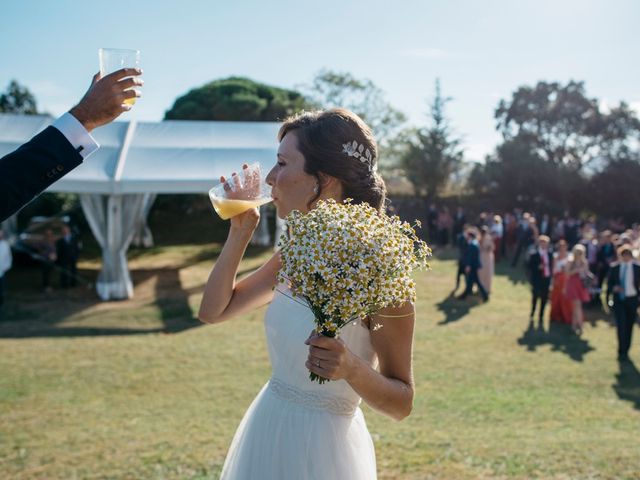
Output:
x=172 y=156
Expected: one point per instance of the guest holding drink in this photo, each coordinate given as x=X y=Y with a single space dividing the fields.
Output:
x=61 y=147
x=560 y=306
x=575 y=291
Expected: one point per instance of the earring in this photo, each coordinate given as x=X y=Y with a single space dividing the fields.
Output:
x=315 y=189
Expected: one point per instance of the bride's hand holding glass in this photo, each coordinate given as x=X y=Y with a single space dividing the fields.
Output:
x=235 y=190
x=239 y=196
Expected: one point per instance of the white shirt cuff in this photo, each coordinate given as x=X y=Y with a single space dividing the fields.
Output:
x=78 y=137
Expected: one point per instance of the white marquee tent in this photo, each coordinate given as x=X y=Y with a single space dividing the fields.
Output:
x=138 y=160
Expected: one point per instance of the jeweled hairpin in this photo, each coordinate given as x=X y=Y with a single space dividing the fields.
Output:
x=357 y=150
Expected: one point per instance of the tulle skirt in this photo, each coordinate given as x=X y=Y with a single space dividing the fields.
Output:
x=280 y=440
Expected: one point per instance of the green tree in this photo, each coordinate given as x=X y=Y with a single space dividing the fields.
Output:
x=431 y=154
x=560 y=151
x=565 y=126
x=331 y=89
x=617 y=187
x=18 y=99
x=516 y=175
x=237 y=99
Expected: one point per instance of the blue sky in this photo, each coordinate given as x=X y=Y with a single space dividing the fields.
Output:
x=481 y=50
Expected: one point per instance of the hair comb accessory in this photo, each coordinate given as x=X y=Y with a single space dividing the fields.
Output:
x=357 y=150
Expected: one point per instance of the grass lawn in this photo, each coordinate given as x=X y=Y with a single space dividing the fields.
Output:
x=138 y=389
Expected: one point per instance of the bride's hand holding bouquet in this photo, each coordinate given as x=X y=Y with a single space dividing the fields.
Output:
x=347 y=262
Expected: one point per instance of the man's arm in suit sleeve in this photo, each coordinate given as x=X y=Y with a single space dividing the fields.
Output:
x=41 y=161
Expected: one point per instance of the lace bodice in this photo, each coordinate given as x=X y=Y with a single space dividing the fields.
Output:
x=288 y=323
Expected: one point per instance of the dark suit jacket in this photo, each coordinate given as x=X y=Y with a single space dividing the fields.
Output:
x=614 y=280
x=462 y=244
x=606 y=253
x=472 y=256
x=547 y=228
x=536 y=276
x=67 y=251
x=34 y=166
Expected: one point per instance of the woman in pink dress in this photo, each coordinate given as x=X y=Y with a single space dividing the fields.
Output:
x=575 y=291
x=487 y=259
x=560 y=305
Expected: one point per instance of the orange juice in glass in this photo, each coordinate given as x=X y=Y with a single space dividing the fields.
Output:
x=240 y=192
x=112 y=59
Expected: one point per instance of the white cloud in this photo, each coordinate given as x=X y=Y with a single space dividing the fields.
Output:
x=429 y=53
x=635 y=106
x=477 y=151
x=604 y=106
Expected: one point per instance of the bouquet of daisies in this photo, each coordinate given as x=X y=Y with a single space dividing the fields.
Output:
x=348 y=261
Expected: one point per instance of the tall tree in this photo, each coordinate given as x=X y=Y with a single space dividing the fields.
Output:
x=331 y=89
x=432 y=154
x=237 y=99
x=618 y=188
x=18 y=99
x=516 y=175
x=564 y=125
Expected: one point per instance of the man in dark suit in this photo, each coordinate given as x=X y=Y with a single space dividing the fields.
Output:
x=67 y=250
x=525 y=235
x=472 y=265
x=545 y=226
x=624 y=286
x=540 y=267
x=571 y=231
x=461 y=243
x=605 y=257
x=61 y=147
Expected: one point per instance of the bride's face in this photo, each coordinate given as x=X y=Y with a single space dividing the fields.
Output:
x=292 y=187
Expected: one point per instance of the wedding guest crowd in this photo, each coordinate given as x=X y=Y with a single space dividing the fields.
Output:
x=567 y=261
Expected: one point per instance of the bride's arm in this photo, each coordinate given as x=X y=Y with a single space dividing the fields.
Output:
x=389 y=390
x=223 y=298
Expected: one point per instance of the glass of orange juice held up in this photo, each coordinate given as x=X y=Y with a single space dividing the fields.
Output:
x=112 y=59
x=240 y=192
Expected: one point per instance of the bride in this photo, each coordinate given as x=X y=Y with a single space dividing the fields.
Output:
x=295 y=428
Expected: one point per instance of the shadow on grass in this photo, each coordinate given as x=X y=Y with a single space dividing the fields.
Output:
x=517 y=275
x=455 y=309
x=627 y=385
x=30 y=313
x=39 y=315
x=559 y=336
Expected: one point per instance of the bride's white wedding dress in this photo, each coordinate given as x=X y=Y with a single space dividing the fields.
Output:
x=296 y=429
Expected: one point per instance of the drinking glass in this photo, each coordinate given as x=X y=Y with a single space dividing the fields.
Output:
x=240 y=192
x=112 y=59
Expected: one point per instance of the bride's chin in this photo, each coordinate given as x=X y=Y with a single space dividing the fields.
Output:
x=281 y=213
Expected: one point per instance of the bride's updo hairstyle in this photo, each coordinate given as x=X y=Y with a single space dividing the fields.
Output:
x=338 y=143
